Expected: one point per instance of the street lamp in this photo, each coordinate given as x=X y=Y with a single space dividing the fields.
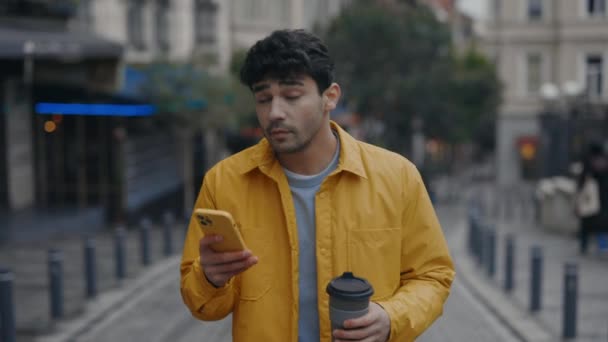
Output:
x=563 y=96
x=572 y=89
x=549 y=92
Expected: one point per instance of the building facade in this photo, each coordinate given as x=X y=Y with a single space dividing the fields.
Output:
x=202 y=32
x=85 y=53
x=251 y=20
x=155 y=30
x=541 y=44
x=43 y=160
x=210 y=30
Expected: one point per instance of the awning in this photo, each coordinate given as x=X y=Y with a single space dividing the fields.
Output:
x=59 y=44
x=68 y=99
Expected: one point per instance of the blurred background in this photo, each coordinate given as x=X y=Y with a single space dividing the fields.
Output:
x=112 y=110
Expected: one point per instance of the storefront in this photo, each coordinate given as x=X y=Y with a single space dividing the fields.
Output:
x=41 y=160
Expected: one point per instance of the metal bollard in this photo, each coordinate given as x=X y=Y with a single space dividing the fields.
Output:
x=490 y=251
x=187 y=218
x=476 y=238
x=7 y=307
x=536 y=270
x=480 y=242
x=187 y=214
x=570 y=300
x=509 y=262
x=471 y=235
x=120 y=253
x=90 y=269
x=144 y=241
x=56 y=282
x=169 y=221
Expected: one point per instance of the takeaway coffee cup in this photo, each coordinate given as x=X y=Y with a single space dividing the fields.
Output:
x=348 y=298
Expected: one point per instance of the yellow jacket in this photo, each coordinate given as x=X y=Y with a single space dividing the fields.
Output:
x=373 y=217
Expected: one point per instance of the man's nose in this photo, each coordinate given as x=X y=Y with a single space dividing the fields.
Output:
x=276 y=110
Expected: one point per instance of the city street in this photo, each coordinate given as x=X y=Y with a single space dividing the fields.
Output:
x=157 y=314
x=118 y=118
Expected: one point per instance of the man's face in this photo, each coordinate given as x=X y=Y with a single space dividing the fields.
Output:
x=290 y=111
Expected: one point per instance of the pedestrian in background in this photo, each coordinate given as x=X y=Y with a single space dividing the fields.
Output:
x=592 y=195
x=312 y=202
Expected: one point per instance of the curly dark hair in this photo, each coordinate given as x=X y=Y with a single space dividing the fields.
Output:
x=286 y=53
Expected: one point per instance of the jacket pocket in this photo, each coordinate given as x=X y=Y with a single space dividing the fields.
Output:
x=375 y=254
x=255 y=282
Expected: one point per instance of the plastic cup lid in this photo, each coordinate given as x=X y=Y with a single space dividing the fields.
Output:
x=349 y=287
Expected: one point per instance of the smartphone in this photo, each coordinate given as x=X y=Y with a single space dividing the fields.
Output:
x=220 y=222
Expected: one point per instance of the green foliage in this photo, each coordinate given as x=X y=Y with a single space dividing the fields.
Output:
x=236 y=62
x=395 y=62
x=248 y=117
x=188 y=96
x=475 y=97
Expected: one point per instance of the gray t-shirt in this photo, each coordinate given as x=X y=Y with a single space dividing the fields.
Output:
x=303 y=191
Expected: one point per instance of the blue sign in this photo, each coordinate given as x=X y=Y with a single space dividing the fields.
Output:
x=92 y=109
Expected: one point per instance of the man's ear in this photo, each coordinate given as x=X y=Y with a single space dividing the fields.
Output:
x=331 y=97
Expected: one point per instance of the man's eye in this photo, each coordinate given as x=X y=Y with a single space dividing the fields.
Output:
x=292 y=98
x=263 y=100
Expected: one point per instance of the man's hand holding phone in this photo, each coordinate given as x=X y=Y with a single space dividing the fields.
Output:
x=219 y=267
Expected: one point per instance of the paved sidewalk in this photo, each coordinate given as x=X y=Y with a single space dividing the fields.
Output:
x=150 y=308
x=558 y=249
x=28 y=261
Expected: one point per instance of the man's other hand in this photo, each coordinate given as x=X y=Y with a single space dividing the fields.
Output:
x=373 y=327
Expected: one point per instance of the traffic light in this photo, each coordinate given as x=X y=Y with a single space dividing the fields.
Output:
x=527 y=147
x=527 y=151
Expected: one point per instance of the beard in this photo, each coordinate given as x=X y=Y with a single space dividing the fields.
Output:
x=295 y=141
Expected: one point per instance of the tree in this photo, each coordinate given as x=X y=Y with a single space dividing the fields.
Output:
x=396 y=64
x=191 y=100
x=475 y=96
x=187 y=96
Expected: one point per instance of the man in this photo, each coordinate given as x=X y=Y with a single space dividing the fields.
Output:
x=312 y=202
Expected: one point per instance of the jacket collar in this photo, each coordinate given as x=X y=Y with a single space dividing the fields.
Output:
x=262 y=156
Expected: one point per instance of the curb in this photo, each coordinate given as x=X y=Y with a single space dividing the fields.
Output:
x=522 y=324
x=102 y=307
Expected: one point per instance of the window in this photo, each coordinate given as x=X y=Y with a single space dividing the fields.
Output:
x=496 y=9
x=535 y=9
x=533 y=72
x=162 y=24
x=269 y=12
x=205 y=22
x=135 y=24
x=251 y=10
x=595 y=77
x=596 y=8
x=280 y=13
x=86 y=13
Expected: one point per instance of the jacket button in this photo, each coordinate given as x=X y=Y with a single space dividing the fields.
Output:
x=323 y=195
